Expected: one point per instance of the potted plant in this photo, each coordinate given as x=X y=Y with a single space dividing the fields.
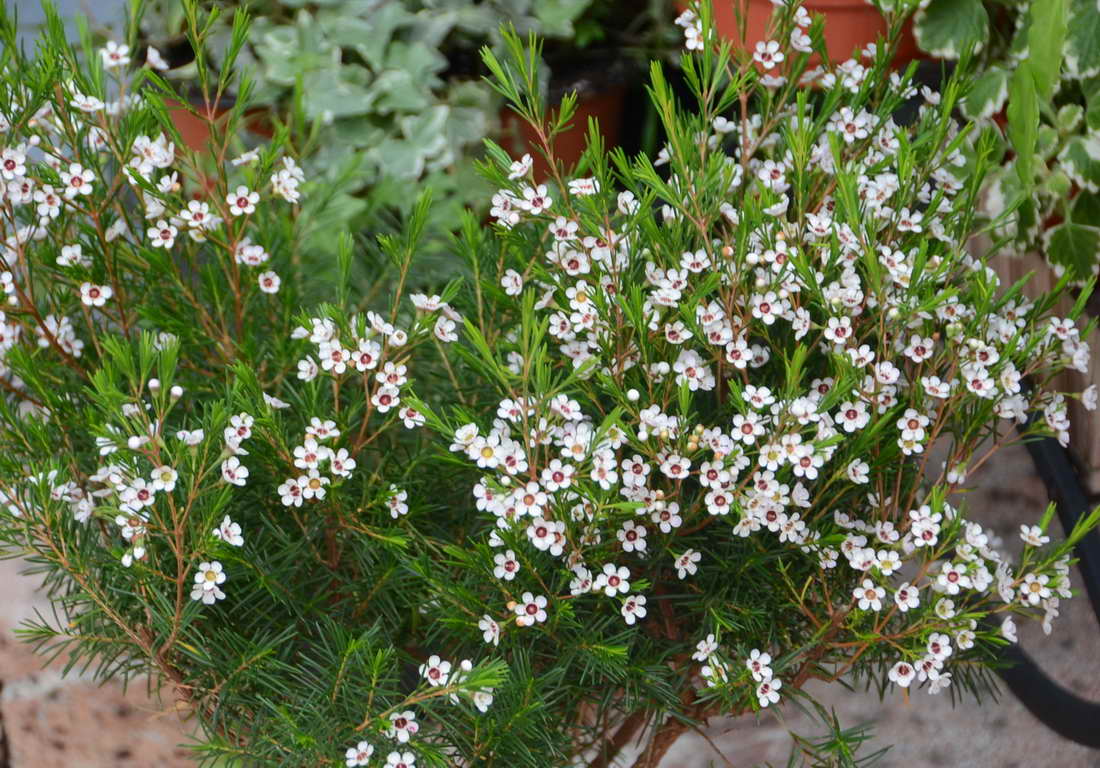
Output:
x=663 y=456
x=850 y=25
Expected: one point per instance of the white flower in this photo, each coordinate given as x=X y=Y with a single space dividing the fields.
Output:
x=359 y=755
x=164 y=479
x=613 y=580
x=520 y=167
x=242 y=201
x=704 y=648
x=512 y=282
x=869 y=596
x=939 y=646
x=402 y=726
x=1008 y=629
x=233 y=471
x=632 y=537
x=759 y=664
x=95 y=295
x=767 y=54
x=269 y=281
x=530 y=610
x=400 y=760
x=436 y=671
x=77 y=180
x=114 y=55
x=506 y=565
x=768 y=691
x=1034 y=588
x=312 y=485
x=290 y=492
x=1089 y=397
x=445 y=329
x=490 y=630
x=634 y=608
x=191 y=437
x=535 y=199
x=906 y=597
x=207 y=580
x=163 y=235
x=1033 y=535
x=229 y=532
x=902 y=673
x=686 y=564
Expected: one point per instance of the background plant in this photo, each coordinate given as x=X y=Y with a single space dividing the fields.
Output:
x=387 y=96
x=1039 y=78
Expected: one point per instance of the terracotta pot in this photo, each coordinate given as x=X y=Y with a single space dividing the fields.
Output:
x=606 y=106
x=195 y=130
x=849 y=26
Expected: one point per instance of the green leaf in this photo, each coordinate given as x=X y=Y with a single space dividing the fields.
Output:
x=1085 y=208
x=1080 y=158
x=1075 y=247
x=1082 y=48
x=945 y=28
x=1045 y=38
x=557 y=16
x=1023 y=124
x=336 y=92
x=1090 y=88
x=988 y=94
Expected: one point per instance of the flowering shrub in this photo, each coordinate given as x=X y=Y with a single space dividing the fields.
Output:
x=706 y=475
x=693 y=398
x=211 y=479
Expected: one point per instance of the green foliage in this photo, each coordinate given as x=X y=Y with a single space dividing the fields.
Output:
x=317 y=510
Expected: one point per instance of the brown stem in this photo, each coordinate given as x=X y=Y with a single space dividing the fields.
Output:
x=615 y=744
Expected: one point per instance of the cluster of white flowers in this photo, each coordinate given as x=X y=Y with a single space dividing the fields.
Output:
x=309 y=457
x=885 y=308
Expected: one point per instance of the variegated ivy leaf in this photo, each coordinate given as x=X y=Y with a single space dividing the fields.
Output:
x=945 y=28
x=1074 y=248
x=1069 y=118
x=1080 y=158
x=987 y=96
x=1020 y=225
x=1083 y=39
x=1090 y=87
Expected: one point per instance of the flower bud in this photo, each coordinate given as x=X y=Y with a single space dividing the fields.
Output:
x=176 y=392
x=154 y=385
x=632 y=395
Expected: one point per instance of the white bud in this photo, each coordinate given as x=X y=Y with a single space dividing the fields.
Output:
x=892 y=313
x=643 y=435
x=632 y=395
x=761 y=282
x=154 y=385
x=505 y=480
x=135 y=442
x=176 y=392
x=752 y=259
